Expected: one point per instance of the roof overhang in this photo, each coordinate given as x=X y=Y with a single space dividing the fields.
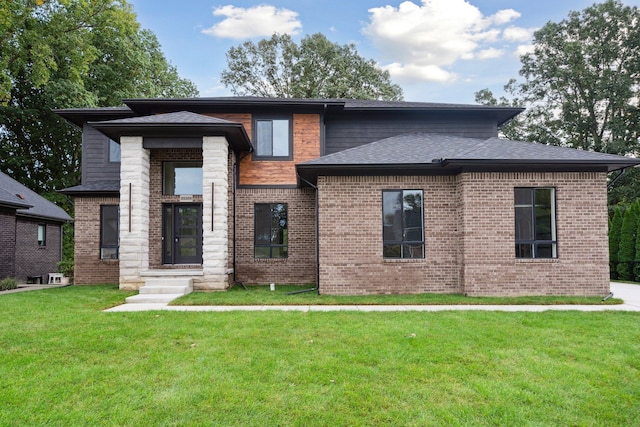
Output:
x=234 y=132
x=308 y=173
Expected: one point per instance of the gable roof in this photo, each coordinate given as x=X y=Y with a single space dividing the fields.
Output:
x=181 y=123
x=27 y=202
x=437 y=154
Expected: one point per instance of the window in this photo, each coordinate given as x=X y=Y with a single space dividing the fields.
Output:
x=182 y=178
x=535 y=222
x=109 y=222
x=114 y=151
x=42 y=235
x=273 y=138
x=402 y=224
x=271 y=235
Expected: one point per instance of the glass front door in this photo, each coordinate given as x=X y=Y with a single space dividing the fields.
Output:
x=182 y=234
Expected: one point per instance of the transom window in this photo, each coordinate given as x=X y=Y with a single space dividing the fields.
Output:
x=535 y=223
x=273 y=138
x=182 y=178
x=109 y=223
x=402 y=224
x=271 y=234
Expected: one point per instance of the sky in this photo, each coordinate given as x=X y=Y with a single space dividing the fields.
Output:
x=436 y=50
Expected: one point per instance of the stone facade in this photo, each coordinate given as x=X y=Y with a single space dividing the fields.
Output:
x=134 y=212
x=89 y=268
x=469 y=236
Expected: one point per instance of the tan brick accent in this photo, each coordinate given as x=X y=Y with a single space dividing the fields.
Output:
x=300 y=266
x=490 y=266
x=89 y=268
x=469 y=236
x=351 y=259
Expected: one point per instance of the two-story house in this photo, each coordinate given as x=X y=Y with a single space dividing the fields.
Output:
x=353 y=196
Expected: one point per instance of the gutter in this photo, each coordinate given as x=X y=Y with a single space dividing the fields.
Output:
x=236 y=179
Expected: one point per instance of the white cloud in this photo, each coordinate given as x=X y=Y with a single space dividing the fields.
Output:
x=504 y=16
x=420 y=41
x=523 y=49
x=257 y=21
x=518 y=34
x=490 y=53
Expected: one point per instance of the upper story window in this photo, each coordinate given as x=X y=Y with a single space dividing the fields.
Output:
x=273 y=137
x=535 y=223
x=402 y=224
x=182 y=178
x=42 y=235
x=114 y=152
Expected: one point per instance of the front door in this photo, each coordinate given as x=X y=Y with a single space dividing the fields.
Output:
x=182 y=234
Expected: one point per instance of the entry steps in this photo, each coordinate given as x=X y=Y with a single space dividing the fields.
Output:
x=162 y=290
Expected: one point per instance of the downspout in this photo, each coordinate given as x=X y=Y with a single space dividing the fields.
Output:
x=317 y=287
x=236 y=178
x=613 y=181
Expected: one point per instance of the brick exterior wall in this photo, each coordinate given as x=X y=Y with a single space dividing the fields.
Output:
x=469 y=236
x=487 y=212
x=89 y=268
x=7 y=243
x=34 y=260
x=351 y=260
x=300 y=266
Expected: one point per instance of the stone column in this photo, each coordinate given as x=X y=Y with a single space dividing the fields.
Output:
x=215 y=185
x=134 y=212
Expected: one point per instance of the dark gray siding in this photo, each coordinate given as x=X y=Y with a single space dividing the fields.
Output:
x=354 y=129
x=95 y=157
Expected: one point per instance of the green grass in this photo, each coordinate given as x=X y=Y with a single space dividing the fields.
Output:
x=261 y=295
x=66 y=363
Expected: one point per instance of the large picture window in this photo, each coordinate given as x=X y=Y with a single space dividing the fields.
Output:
x=535 y=223
x=271 y=234
x=182 y=178
x=273 y=138
x=402 y=224
x=109 y=223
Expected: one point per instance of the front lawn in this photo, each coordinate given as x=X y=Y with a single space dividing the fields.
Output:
x=65 y=362
x=262 y=295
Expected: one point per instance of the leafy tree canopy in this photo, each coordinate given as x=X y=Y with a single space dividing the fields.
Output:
x=63 y=54
x=316 y=68
x=581 y=84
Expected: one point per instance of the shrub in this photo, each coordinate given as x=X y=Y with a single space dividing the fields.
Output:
x=66 y=267
x=615 y=227
x=8 y=283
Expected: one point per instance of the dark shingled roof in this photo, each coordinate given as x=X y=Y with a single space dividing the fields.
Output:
x=181 y=123
x=441 y=154
x=29 y=204
x=110 y=186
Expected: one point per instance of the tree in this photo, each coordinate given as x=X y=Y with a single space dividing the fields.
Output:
x=627 y=247
x=317 y=68
x=64 y=54
x=582 y=85
x=615 y=228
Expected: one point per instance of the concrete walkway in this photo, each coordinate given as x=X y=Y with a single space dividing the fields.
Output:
x=630 y=294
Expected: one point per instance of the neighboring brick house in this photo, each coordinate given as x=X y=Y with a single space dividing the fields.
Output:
x=30 y=232
x=353 y=196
